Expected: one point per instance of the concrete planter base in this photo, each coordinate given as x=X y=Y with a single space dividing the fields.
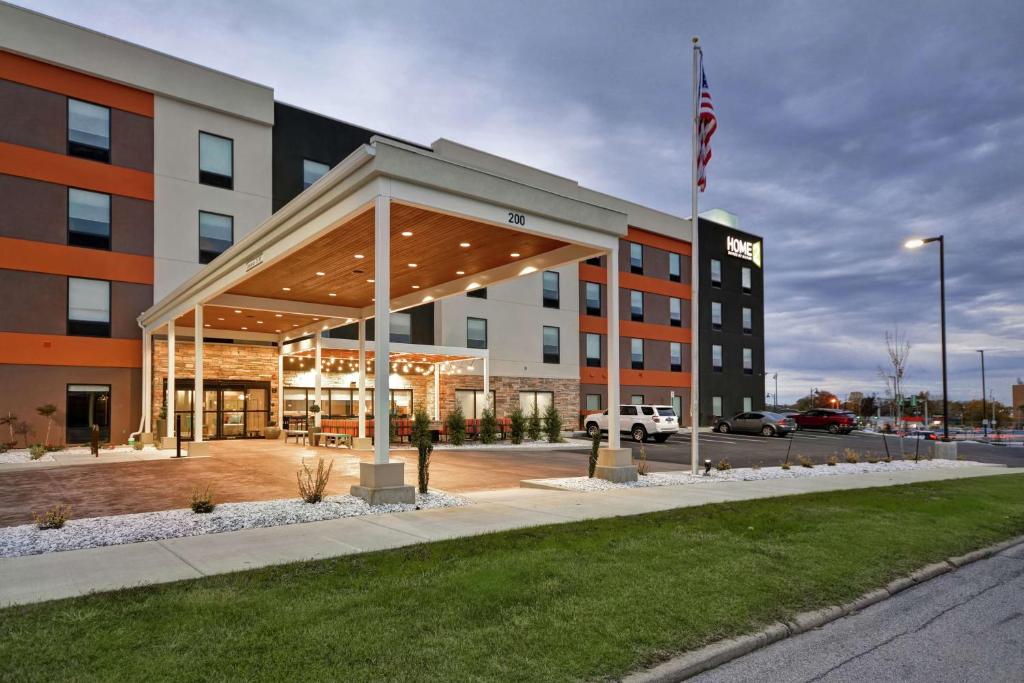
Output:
x=615 y=465
x=381 y=483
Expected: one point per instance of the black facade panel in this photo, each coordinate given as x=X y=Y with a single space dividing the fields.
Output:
x=732 y=384
x=422 y=320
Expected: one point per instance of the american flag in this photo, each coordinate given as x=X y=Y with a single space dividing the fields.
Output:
x=707 y=124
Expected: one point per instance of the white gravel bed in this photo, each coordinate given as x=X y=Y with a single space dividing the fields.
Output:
x=750 y=474
x=93 y=532
x=21 y=455
x=506 y=445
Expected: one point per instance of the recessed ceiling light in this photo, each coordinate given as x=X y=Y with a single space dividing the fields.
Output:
x=294 y=325
x=370 y=280
x=514 y=254
x=407 y=233
x=206 y=324
x=460 y=272
x=220 y=318
x=316 y=319
x=331 y=294
x=412 y=265
x=286 y=289
x=259 y=322
x=415 y=286
x=360 y=256
x=277 y=315
x=320 y=273
x=237 y=311
x=464 y=245
x=245 y=328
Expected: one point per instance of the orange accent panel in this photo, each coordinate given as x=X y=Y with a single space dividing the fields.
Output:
x=37 y=164
x=58 y=259
x=78 y=85
x=640 y=378
x=629 y=329
x=641 y=283
x=46 y=349
x=641 y=236
x=593 y=324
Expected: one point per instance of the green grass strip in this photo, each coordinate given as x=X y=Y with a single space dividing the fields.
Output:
x=574 y=601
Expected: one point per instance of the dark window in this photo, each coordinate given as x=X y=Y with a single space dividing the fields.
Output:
x=216 y=234
x=676 y=356
x=675 y=267
x=636 y=258
x=478 y=293
x=593 y=294
x=87 y=405
x=646 y=410
x=552 y=345
x=636 y=353
x=636 y=306
x=401 y=328
x=88 y=219
x=312 y=171
x=631 y=410
x=716 y=357
x=593 y=350
x=592 y=402
x=595 y=261
x=748 y=324
x=675 y=312
x=88 y=131
x=551 y=295
x=716 y=273
x=88 y=307
x=216 y=161
x=745 y=280
x=716 y=315
x=476 y=333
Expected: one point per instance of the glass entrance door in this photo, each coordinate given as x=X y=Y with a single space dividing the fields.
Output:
x=231 y=410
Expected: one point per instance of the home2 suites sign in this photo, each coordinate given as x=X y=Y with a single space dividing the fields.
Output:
x=744 y=249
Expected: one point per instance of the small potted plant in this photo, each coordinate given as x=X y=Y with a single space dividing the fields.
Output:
x=272 y=431
x=312 y=429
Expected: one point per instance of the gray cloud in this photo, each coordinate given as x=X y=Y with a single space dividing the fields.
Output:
x=844 y=127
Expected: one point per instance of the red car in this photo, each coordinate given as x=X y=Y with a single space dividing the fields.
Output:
x=835 y=421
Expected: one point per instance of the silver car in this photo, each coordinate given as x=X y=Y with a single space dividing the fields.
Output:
x=756 y=422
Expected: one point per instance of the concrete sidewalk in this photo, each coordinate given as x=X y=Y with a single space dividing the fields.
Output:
x=36 y=578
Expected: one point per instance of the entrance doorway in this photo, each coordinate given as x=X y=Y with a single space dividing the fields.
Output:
x=232 y=409
x=87 y=405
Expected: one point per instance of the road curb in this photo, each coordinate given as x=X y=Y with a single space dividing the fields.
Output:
x=708 y=657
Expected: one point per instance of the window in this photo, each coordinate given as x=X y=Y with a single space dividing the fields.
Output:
x=675 y=267
x=716 y=406
x=476 y=333
x=747 y=404
x=677 y=405
x=312 y=171
x=88 y=131
x=88 y=219
x=748 y=362
x=88 y=307
x=637 y=400
x=675 y=352
x=745 y=277
x=594 y=261
x=748 y=325
x=593 y=294
x=636 y=353
x=593 y=350
x=540 y=399
x=675 y=312
x=551 y=296
x=716 y=315
x=716 y=273
x=592 y=402
x=716 y=357
x=478 y=293
x=552 y=346
x=401 y=328
x=631 y=409
x=87 y=405
x=472 y=402
x=216 y=234
x=636 y=258
x=216 y=161
x=636 y=306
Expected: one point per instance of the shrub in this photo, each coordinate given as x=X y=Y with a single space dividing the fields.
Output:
x=3 y=447
x=641 y=462
x=36 y=451
x=723 y=465
x=887 y=458
x=851 y=456
x=871 y=458
x=533 y=427
x=832 y=460
x=455 y=423
x=23 y=429
x=54 y=518
x=202 y=500
x=805 y=461
x=138 y=445
x=488 y=426
x=553 y=424
x=312 y=484
x=421 y=436
x=392 y=427
x=756 y=466
x=518 y=426
x=595 y=446
x=47 y=410
x=785 y=465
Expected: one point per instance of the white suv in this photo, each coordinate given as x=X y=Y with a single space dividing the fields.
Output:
x=638 y=421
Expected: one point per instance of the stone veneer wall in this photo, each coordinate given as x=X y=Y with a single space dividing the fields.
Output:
x=422 y=385
x=566 y=391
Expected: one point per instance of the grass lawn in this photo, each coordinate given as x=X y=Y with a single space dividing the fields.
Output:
x=574 y=601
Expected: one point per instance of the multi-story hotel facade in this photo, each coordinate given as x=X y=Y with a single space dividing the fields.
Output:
x=125 y=173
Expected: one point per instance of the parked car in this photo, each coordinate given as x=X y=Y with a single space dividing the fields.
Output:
x=925 y=434
x=659 y=422
x=763 y=423
x=835 y=421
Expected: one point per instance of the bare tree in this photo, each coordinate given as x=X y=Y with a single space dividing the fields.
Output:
x=897 y=348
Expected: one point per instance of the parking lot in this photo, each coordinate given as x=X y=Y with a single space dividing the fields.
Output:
x=742 y=450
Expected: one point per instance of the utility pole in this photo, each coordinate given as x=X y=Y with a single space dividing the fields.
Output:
x=984 y=408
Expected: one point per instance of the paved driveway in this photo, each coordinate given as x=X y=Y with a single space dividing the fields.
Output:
x=256 y=470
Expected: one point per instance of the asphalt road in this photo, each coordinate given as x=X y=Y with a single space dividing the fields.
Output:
x=743 y=450
x=967 y=625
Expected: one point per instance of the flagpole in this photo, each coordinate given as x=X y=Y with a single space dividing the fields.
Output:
x=694 y=270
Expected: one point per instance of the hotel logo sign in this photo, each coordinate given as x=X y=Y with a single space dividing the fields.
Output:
x=254 y=262
x=744 y=249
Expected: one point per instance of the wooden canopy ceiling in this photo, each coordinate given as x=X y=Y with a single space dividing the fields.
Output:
x=245 y=320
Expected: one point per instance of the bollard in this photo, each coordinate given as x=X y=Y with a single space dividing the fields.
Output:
x=177 y=436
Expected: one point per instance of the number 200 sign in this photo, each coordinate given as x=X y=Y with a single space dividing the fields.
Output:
x=516 y=218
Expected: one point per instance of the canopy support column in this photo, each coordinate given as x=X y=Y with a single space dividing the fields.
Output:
x=614 y=463
x=487 y=384
x=362 y=442
x=280 y=389
x=147 y=386
x=437 y=391
x=318 y=377
x=169 y=395
x=198 y=446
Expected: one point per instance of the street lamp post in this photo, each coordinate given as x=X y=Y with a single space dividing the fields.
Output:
x=914 y=244
x=984 y=410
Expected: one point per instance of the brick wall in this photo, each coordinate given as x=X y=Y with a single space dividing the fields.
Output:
x=566 y=391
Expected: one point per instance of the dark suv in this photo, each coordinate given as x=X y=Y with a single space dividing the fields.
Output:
x=835 y=421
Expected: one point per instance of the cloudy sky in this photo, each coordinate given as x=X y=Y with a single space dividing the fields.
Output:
x=844 y=128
